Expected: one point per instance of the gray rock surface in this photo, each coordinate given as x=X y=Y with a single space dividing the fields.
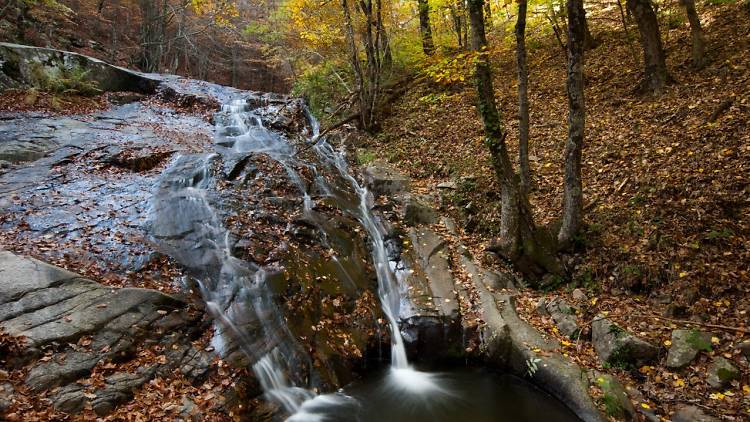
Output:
x=430 y=318
x=47 y=305
x=119 y=388
x=721 y=372
x=744 y=348
x=579 y=295
x=69 y=398
x=541 y=307
x=618 y=347
x=564 y=316
x=615 y=398
x=24 y=65
x=686 y=344
x=417 y=211
x=383 y=179
x=6 y=395
x=509 y=342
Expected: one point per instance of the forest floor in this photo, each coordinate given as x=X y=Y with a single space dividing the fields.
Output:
x=666 y=182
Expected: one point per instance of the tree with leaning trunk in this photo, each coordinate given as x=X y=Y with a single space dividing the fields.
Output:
x=573 y=189
x=655 y=76
x=696 y=33
x=532 y=250
x=523 y=97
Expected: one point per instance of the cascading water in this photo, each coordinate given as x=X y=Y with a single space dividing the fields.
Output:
x=187 y=226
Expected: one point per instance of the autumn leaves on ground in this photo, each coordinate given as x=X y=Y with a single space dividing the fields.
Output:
x=666 y=185
x=665 y=247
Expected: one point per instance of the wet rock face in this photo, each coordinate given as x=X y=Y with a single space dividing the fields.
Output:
x=618 y=347
x=430 y=315
x=686 y=344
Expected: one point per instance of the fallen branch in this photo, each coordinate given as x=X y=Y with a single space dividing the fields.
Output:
x=340 y=123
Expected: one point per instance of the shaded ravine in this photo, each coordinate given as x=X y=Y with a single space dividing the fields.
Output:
x=185 y=224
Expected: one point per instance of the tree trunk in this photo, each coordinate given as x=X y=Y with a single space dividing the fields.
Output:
x=458 y=16
x=573 y=191
x=519 y=240
x=696 y=32
x=523 y=97
x=22 y=9
x=425 y=29
x=627 y=32
x=590 y=42
x=655 y=76
x=487 y=15
x=152 y=35
x=354 y=55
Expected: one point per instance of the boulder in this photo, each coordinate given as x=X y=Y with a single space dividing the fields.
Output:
x=744 y=348
x=564 y=316
x=23 y=65
x=721 y=372
x=383 y=179
x=417 y=211
x=579 y=295
x=686 y=344
x=617 y=347
x=692 y=414
x=614 y=398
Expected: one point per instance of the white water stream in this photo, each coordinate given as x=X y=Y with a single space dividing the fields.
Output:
x=184 y=221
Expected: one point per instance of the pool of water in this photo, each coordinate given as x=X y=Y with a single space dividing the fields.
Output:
x=455 y=396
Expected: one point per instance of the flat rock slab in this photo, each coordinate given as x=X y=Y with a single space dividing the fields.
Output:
x=383 y=179
x=44 y=304
x=430 y=313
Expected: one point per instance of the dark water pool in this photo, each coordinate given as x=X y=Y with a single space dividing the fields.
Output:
x=453 y=396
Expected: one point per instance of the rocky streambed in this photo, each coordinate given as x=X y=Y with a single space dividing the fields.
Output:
x=223 y=262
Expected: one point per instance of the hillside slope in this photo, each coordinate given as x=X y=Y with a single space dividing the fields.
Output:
x=666 y=180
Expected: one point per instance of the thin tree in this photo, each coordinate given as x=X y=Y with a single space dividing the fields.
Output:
x=153 y=32
x=655 y=76
x=425 y=30
x=696 y=32
x=523 y=96
x=573 y=190
x=519 y=239
x=377 y=56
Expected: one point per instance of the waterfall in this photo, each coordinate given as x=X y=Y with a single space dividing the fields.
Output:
x=187 y=227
